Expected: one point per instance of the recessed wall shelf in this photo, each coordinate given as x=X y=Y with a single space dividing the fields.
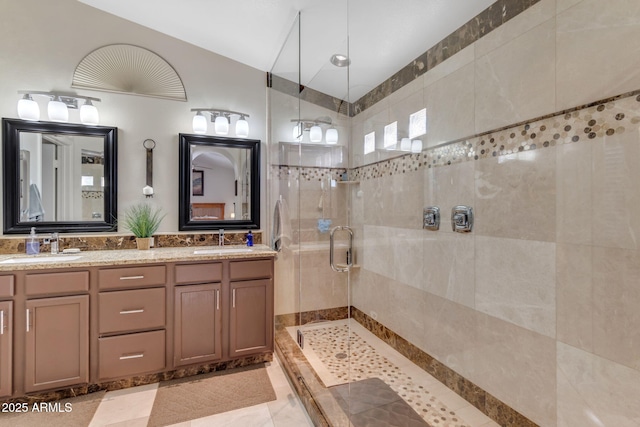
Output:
x=348 y=182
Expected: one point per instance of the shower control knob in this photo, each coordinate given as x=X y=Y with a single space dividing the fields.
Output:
x=431 y=218
x=462 y=219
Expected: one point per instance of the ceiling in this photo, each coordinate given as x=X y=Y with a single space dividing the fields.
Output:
x=380 y=36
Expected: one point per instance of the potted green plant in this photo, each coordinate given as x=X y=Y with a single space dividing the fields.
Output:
x=143 y=221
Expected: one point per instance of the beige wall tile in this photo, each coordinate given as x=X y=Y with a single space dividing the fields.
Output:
x=406 y=200
x=450 y=107
x=563 y=5
x=515 y=27
x=447 y=187
x=594 y=391
x=407 y=251
x=320 y=286
x=616 y=194
x=452 y=64
x=616 y=298
x=516 y=196
x=401 y=111
x=449 y=266
x=515 y=82
x=377 y=250
x=574 y=295
x=574 y=211
x=597 y=52
x=515 y=281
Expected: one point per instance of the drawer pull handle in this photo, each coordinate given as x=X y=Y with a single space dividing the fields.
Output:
x=1 y=322
x=217 y=299
x=140 y=310
x=133 y=356
x=131 y=277
x=234 y=298
x=28 y=318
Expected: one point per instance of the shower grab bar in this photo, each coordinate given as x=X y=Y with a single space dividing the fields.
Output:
x=342 y=268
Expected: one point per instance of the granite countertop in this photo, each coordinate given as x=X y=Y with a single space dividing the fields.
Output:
x=131 y=257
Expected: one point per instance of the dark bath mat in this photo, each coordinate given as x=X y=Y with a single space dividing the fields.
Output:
x=374 y=404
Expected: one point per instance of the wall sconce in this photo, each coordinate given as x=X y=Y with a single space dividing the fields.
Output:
x=58 y=107
x=314 y=129
x=221 y=119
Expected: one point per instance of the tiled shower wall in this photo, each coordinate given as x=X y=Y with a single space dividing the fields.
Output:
x=539 y=305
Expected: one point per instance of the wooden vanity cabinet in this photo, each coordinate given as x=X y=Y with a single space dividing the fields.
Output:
x=57 y=330
x=198 y=314
x=131 y=321
x=251 y=312
x=57 y=342
x=6 y=335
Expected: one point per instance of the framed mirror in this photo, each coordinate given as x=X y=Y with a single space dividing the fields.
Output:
x=59 y=177
x=219 y=183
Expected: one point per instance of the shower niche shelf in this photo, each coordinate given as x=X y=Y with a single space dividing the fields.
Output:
x=306 y=154
x=348 y=182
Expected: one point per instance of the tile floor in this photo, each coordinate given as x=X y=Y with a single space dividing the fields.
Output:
x=131 y=408
x=326 y=347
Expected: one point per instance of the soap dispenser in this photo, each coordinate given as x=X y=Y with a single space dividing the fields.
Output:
x=249 y=239
x=33 y=244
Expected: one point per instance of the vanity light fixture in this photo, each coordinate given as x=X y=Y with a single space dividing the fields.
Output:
x=58 y=107
x=221 y=119
x=416 y=146
x=28 y=108
x=331 y=136
x=405 y=144
x=314 y=129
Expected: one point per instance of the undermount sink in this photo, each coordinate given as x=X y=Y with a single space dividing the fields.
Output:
x=222 y=251
x=38 y=260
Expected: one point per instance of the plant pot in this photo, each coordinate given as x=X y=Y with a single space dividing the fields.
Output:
x=143 y=243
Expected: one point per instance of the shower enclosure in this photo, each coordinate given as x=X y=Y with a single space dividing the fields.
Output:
x=309 y=201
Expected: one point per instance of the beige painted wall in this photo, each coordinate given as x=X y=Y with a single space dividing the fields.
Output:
x=41 y=42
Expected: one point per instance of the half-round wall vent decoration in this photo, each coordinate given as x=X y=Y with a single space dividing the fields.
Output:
x=125 y=68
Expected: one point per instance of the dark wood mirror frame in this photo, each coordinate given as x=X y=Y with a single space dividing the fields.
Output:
x=185 y=223
x=11 y=129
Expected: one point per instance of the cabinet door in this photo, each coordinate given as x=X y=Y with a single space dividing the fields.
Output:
x=57 y=342
x=251 y=317
x=6 y=333
x=198 y=324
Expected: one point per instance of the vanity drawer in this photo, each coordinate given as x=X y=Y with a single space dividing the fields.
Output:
x=6 y=286
x=199 y=273
x=131 y=277
x=132 y=354
x=56 y=283
x=138 y=309
x=244 y=270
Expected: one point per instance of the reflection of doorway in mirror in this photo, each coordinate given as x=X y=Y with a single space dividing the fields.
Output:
x=217 y=175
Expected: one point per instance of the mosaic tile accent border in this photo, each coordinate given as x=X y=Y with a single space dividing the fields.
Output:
x=367 y=363
x=16 y=245
x=484 y=401
x=306 y=173
x=295 y=363
x=607 y=117
x=482 y=24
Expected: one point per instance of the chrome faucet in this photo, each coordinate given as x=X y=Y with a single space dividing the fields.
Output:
x=221 y=237
x=54 y=243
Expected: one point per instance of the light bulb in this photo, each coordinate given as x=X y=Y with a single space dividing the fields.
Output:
x=58 y=111
x=416 y=146
x=315 y=134
x=242 y=127
x=28 y=108
x=199 y=123
x=89 y=113
x=222 y=125
x=297 y=133
x=331 y=136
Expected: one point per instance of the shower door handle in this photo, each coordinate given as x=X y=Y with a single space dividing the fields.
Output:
x=342 y=267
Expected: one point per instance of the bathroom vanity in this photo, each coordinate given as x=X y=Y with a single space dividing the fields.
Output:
x=104 y=319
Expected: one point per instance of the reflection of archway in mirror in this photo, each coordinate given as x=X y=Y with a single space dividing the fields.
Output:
x=218 y=184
